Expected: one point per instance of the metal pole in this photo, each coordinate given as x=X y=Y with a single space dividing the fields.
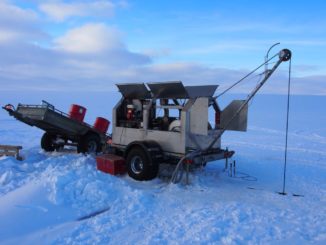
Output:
x=226 y=161
x=286 y=131
x=234 y=168
x=266 y=57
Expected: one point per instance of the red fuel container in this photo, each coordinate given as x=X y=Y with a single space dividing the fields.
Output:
x=111 y=164
x=77 y=112
x=101 y=124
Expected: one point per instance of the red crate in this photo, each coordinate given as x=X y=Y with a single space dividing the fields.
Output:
x=111 y=164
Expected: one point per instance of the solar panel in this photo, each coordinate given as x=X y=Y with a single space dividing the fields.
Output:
x=165 y=90
x=134 y=91
x=168 y=90
x=201 y=91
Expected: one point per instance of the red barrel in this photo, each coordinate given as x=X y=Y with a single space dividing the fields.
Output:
x=102 y=124
x=77 y=112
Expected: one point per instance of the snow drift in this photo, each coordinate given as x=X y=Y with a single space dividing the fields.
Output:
x=60 y=197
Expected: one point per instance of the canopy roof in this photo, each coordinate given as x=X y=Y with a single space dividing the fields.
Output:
x=165 y=90
x=134 y=91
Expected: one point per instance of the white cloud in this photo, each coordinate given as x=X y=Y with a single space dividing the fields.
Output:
x=196 y=74
x=8 y=35
x=46 y=70
x=90 y=38
x=94 y=57
x=18 y=24
x=15 y=15
x=60 y=11
x=85 y=55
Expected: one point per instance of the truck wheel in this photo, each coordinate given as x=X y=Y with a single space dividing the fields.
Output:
x=139 y=165
x=47 y=142
x=89 y=144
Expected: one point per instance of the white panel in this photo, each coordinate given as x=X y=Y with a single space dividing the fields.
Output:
x=239 y=122
x=169 y=141
x=199 y=117
x=202 y=142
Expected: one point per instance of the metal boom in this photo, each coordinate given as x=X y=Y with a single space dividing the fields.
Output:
x=284 y=55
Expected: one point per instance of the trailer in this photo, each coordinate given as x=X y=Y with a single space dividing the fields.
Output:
x=157 y=123
x=60 y=128
x=152 y=124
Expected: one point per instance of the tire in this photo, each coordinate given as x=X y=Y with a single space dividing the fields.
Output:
x=154 y=171
x=139 y=165
x=47 y=142
x=89 y=144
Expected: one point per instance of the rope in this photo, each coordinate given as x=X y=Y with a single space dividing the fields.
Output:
x=253 y=71
x=287 y=126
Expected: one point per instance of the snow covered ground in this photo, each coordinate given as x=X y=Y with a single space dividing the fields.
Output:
x=60 y=198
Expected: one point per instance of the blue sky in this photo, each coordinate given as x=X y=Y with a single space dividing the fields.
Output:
x=56 y=44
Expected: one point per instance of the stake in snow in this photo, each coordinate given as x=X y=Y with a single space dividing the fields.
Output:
x=152 y=124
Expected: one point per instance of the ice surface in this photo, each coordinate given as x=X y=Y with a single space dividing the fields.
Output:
x=60 y=198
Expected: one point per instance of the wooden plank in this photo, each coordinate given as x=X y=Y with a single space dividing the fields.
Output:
x=11 y=147
x=11 y=150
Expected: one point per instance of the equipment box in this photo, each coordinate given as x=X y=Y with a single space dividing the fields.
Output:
x=111 y=164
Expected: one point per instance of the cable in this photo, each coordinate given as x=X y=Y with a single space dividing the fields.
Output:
x=282 y=57
x=287 y=127
x=177 y=174
x=236 y=83
x=257 y=83
x=175 y=178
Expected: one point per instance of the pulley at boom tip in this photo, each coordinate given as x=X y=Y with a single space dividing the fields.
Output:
x=285 y=54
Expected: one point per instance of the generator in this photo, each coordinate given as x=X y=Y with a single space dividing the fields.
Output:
x=162 y=122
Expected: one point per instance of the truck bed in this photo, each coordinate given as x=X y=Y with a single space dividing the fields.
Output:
x=51 y=120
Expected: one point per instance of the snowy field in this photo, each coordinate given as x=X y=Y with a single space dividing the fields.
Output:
x=49 y=198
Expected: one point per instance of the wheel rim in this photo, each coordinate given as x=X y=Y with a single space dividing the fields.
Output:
x=91 y=146
x=136 y=164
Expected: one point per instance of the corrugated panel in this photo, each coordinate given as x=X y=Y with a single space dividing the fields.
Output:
x=168 y=90
x=134 y=91
x=201 y=91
